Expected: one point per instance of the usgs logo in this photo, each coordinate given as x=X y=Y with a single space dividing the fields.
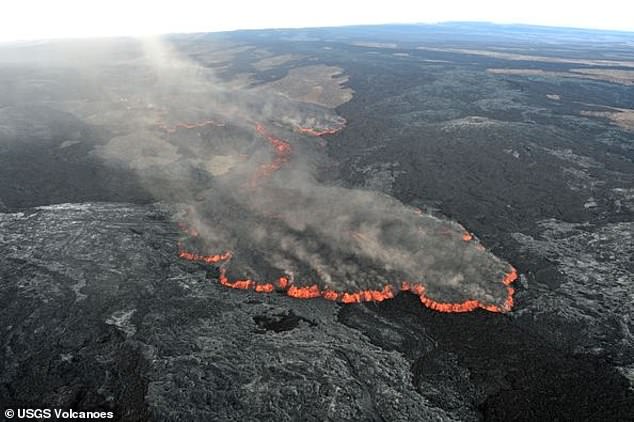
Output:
x=34 y=413
x=56 y=413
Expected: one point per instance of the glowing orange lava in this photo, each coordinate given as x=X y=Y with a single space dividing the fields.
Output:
x=387 y=292
x=321 y=132
x=308 y=292
x=317 y=132
x=282 y=154
x=207 y=259
x=282 y=151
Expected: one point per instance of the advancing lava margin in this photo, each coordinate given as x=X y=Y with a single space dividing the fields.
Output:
x=320 y=132
x=285 y=284
x=283 y=152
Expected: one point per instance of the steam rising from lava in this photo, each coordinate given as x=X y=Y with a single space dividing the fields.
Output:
x=313 y=240
x=247 y=164
x=270 y=224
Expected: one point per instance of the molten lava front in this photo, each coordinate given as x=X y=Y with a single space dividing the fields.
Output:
x=313 y=291
x=336 y=126
x=282 y=153
x=363 y=238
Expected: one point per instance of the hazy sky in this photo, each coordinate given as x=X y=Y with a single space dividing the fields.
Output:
x=33 y=19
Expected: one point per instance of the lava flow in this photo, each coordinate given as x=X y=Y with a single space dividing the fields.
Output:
x=322 y=132
x=285 y=284
x=207 y=259
x=282 y=151
x=317 y=132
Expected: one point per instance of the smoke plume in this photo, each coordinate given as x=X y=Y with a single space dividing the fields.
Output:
x=244 y=158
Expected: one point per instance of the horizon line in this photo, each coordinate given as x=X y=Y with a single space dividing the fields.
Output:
x=37 y=39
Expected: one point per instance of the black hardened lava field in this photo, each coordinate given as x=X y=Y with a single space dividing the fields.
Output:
x=381 y=223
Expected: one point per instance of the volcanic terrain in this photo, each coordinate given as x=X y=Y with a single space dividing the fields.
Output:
x=428 y=222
